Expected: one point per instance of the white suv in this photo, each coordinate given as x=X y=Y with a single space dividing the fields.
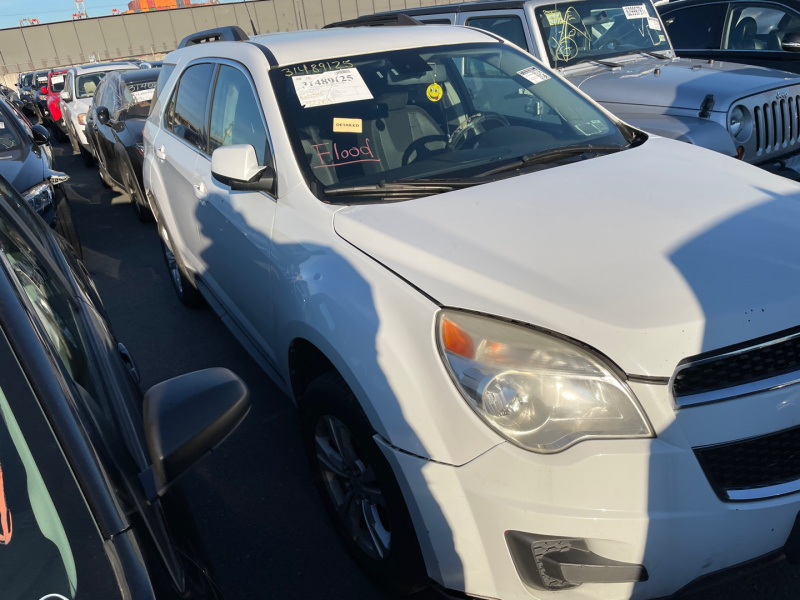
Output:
x=533 y=348
x=76 y=98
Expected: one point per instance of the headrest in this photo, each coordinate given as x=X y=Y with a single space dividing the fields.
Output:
x=393 y=100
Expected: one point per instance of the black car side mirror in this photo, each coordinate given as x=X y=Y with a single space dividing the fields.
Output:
x=791 y=42
x=41 y=135
x=102 y=115
x=187 y=417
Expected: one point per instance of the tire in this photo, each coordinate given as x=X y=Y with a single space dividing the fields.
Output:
x=187 y=293
x=103 y=176
x=65 y=225
x=358 y=487
x=88 y=159
x=138 y=202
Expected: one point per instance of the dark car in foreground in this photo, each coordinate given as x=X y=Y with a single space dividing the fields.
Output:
x=89 y=506
x=114 y=128
x=765 y=34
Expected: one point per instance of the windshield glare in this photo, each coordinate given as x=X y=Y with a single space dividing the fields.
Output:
x=599 y=29
x=440 y=112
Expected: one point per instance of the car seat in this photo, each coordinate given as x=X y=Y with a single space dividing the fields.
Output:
x=743 y=36
x=405 y=133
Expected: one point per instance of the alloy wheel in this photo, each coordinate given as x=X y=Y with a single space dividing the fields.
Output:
x=353 y=487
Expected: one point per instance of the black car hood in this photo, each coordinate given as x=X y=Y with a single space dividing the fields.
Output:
x=23 y=167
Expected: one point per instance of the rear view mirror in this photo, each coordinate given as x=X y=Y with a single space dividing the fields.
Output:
x=237 y=166
x=102 y=115
x=187 y=417
x=791 y=42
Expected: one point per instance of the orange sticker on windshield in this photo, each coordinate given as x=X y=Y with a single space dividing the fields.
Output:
x=434 y=92
x=5 y=514
x=351 y=125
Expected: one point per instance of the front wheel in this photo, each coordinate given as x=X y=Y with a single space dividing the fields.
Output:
x=138 y=202
x=187 y=293
x=358 y=487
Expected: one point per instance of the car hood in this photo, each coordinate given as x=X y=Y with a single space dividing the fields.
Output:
x=23 y=168
x=677 y=83
x=617 y=251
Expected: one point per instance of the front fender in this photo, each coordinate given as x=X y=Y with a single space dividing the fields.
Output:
x=694 y=130
x=377 y=331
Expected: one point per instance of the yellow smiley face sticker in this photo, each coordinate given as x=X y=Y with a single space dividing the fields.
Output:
x=434 y=92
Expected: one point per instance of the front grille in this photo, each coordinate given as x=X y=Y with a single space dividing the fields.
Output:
x=758 y=462
x=764 y=361
x=777 y=124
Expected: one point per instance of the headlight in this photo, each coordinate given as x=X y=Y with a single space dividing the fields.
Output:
x=82 y=118
x=540 y=392
x=40 y=197
x=739 y=123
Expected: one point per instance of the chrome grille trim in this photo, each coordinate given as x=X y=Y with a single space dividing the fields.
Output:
x=776 y=124
x=736 y=391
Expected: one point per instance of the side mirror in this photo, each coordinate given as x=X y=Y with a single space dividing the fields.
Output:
x=66 y=96
x=187 y=417
x=102 y=115
x=237 y=166
x=44 y=89
x=41 y=135
x=791 y=42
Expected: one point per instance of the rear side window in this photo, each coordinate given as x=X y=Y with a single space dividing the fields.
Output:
x=696 y=27
x=187 y=112
x=508 y=27
x=236 y=114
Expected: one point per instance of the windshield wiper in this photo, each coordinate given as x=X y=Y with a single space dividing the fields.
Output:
x=552 y=155
x=654 y=54
x=400 y=190
x=605 y=63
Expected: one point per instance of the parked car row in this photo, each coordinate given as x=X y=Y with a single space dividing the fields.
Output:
x=538 y=343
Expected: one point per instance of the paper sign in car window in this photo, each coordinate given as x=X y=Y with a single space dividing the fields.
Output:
x=348 y=125
x=654 y=23
x=57 y=79
x=143 y=95
x=635 y=12
x=554 y=17
x=534 y=75
x=330 y=87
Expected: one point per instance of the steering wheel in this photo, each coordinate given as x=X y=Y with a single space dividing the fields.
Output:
x=424 y=147
x=475 y=124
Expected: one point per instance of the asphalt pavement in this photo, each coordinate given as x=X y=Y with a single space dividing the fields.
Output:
x=258 y=512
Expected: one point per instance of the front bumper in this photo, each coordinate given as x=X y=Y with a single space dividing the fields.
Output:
x=639 y=502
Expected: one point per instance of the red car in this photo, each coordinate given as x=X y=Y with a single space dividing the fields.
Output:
x=52 y=95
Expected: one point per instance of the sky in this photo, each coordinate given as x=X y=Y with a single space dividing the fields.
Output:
x=50 y=11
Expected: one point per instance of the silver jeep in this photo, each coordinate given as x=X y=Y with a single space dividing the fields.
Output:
x=618 y=52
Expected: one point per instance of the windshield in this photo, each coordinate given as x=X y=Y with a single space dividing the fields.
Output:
x=437 y=112
x=27 y=79
x=599 y=29
x=57 y=81
x=41 y=79
x=9 y=137
x=87 y=84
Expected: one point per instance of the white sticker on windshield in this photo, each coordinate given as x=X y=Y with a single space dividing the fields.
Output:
x=143 y=95
x=554 y=17
x=534 y=75
x=635 y=12
x=331 y=87
x=57 y=79
x=653 y=23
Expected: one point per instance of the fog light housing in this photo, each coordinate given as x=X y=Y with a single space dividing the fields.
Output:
x=557 y=563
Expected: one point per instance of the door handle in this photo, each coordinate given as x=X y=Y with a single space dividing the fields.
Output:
x=161 y=154
x=200 y=192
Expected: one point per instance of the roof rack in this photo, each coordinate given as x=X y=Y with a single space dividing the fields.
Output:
x=391 y=20
x=231 y=33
